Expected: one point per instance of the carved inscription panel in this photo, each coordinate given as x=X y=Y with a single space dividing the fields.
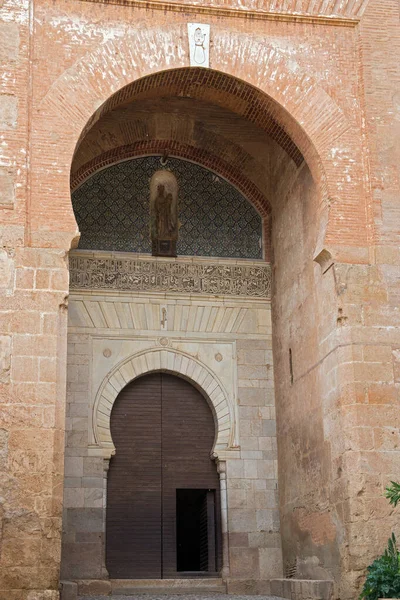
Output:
x=179 y=276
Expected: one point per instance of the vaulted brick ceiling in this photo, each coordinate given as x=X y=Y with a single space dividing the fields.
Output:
x=213 y=88
x=202 y=115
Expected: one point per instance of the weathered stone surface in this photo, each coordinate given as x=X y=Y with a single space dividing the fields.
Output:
x=5 y=358
x=302 y=589
x=9 y=41
x=69 y=590
x=250 y=587
x=7 y=189
x=8 y=112
x=87 y=520
x=6 y=270
x=3 y=448
x=46 y=595
x=94 y=588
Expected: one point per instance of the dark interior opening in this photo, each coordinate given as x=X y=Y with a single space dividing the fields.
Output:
x=195 y=531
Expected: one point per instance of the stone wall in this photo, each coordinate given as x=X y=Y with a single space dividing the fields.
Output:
x=306 y=349
x=232 y=339
x=33 y=372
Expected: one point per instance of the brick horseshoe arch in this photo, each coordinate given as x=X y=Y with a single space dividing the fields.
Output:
x=176 y=363
x=305 y=110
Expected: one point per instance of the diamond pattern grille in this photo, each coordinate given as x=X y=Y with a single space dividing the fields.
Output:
x=112 y=211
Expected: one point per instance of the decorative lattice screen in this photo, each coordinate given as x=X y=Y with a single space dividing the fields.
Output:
x=112 y=211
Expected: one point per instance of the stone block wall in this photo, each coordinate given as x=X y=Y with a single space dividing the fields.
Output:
x=239 y=352
x=252 y=481
x=83 y=526
x=33 y=319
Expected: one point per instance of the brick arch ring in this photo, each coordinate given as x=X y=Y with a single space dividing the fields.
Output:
x=168 y=361
x=312 y=118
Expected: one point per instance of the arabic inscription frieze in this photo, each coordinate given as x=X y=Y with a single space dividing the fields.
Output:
x=184 y=277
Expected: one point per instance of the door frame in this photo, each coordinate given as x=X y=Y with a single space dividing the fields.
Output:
x=223 y=407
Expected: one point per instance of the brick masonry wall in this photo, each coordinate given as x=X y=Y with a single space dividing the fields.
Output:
x=322 y=126
x=369 y=298
x=338 y=87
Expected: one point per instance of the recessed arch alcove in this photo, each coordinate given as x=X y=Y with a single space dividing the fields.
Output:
x=112 y=207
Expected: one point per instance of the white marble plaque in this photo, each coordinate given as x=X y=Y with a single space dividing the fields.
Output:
x=199 y=44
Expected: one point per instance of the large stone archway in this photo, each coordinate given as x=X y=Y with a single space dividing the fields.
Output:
x=311 y=117
x=301 y=217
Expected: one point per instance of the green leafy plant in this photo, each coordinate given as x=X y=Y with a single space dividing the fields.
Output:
x=383 y=576
x=392 y=492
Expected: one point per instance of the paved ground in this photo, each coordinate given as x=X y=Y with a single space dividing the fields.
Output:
x=179 y=597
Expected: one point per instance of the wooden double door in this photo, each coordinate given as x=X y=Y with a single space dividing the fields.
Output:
x=163 y=516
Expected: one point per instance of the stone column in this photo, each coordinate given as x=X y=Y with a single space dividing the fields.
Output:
x=221 y=466
x=106 y=466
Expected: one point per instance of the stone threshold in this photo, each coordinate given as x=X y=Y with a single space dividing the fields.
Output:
x=168 y=586
x=193 y=596
x=202 y=588
x=71 y=590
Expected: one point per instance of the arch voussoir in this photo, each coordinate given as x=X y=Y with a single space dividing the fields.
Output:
x=171 y=361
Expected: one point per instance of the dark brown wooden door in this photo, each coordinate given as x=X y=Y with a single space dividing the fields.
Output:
x=187 y=439
x=133 y=535
x=163 y=430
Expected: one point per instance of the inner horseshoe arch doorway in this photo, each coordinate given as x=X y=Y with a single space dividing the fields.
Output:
x=201 y=378
x=163 y=497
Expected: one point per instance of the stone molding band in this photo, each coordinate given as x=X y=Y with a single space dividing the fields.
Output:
x=227 y=12
x=169 y=276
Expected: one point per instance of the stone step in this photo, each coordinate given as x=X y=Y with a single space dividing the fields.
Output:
x=194 y=596
x=209 y=585
x=211 y=588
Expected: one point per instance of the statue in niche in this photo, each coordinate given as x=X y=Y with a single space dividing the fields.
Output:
x=164 y=224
